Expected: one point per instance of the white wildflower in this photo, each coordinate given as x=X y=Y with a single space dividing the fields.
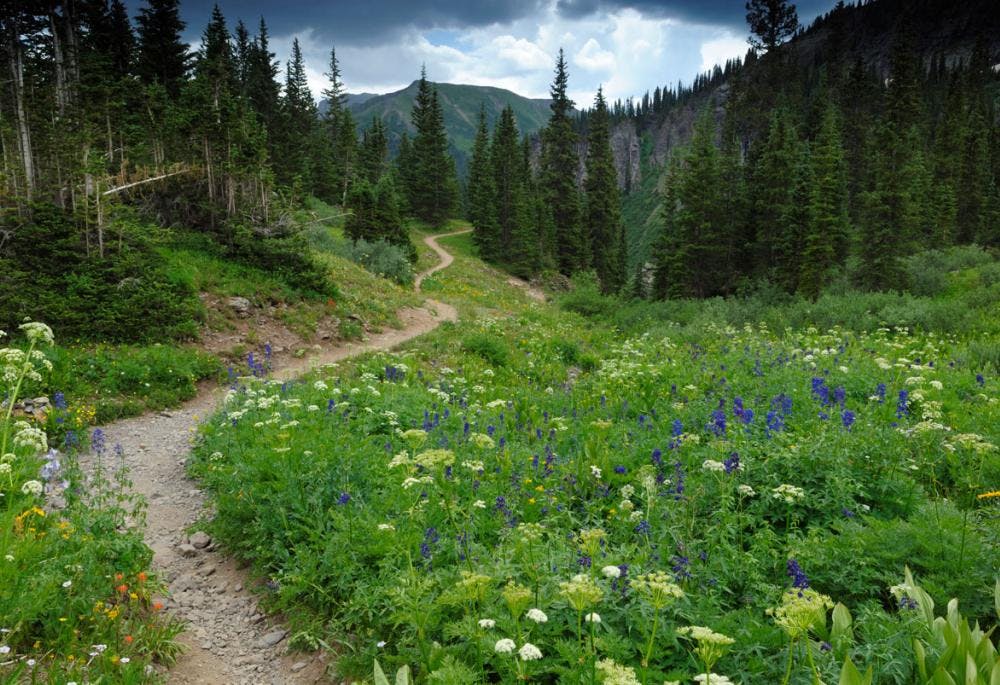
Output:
x=537 y=615
x=529 y=652
x=487 y=623
x=504 y=646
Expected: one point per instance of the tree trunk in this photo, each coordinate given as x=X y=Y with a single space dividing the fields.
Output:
x=16 y=64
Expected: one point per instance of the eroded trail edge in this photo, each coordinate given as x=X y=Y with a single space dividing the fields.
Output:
x=229 y=639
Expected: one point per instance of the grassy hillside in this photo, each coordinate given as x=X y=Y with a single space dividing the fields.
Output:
x=461 y=109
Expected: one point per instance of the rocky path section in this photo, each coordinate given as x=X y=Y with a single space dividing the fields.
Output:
x=230 y=641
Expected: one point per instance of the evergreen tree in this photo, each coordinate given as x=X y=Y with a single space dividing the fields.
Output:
x=433 y=190
x=697 y=223
x=360 y=224
x=559 y=165
x=163 y=56
x=672 y=271
x=388 y=219
x=603 y=203
x=779 y=238
x=826 y=235
x=373 y=157
x=514 y=245
x=771 y=23
x=264 y=91
x=242 y=50
x=880 y=266
x=482 y=193
x=121 y=40
x=299 y=112
x=949 y=142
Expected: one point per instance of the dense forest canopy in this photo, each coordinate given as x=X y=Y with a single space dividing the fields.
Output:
x=826 y=154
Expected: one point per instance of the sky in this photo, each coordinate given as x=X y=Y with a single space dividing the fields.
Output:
x=625 y=46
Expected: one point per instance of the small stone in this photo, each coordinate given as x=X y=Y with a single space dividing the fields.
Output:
x=187 y=550
x=238 y=588
x=298 y=666
x=271 y=639
x=200 y=540
x=240 y=305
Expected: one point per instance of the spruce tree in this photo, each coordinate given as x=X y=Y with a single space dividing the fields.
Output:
x=299 y=112
x=482 y=193
x=163 y=55
x=559 y=165
x=514 y=246
x=373 y=157
x=771 y=23
x=387 y=219
x=603 y=203
x=672 y=269
x=264 y=92
x=826 y=235
x=773 y=201
x=433 y=190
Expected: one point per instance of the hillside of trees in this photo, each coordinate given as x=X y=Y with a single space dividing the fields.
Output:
x=815 y=160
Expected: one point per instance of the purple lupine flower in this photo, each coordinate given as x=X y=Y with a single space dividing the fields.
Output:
x=798 y=576
x=847 y=418
x=677 y=428
x=657 y=457
x=97 y=441
x=840 y=395
x=718 y=424
x=980 y=380
x=903 y=404
x=344 y=498
x=880 y=392
x=732 y=463
x=681 y=566
x=620 y=470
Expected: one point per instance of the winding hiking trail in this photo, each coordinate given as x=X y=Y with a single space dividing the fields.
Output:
x=229 y=640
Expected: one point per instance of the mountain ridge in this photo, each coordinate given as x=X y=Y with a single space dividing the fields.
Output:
x=460 y=105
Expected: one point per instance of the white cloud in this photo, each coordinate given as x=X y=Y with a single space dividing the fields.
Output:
x=593 y=57
x=717 y=51
x=626 y=51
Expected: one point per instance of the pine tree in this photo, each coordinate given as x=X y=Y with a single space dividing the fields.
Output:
x=242 y=50
x=121 y=40
x=482 y=193
x=949 y=141
x=163 y=56
x=373 y=157
x=773 y=201
x=264 y=91
x=514 y=246
x=603 y=203
x=826 y=235
x=433 y=189
x=672 y=269
x=558 y=177
x=360 y=224
x=338 y=141
x=299 y=112
x=880 y=266
x=771 y=23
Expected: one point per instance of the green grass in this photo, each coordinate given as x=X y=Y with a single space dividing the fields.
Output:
x=582 y=471
x=76 y=590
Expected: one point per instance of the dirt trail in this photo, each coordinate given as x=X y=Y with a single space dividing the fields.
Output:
x=230 y=641
x=446 y=259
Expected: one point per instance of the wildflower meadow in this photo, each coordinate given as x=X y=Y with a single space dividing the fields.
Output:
x=533 y=498
x=78 y=603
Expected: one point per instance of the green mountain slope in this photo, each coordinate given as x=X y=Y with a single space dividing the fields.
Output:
x=460 y=104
